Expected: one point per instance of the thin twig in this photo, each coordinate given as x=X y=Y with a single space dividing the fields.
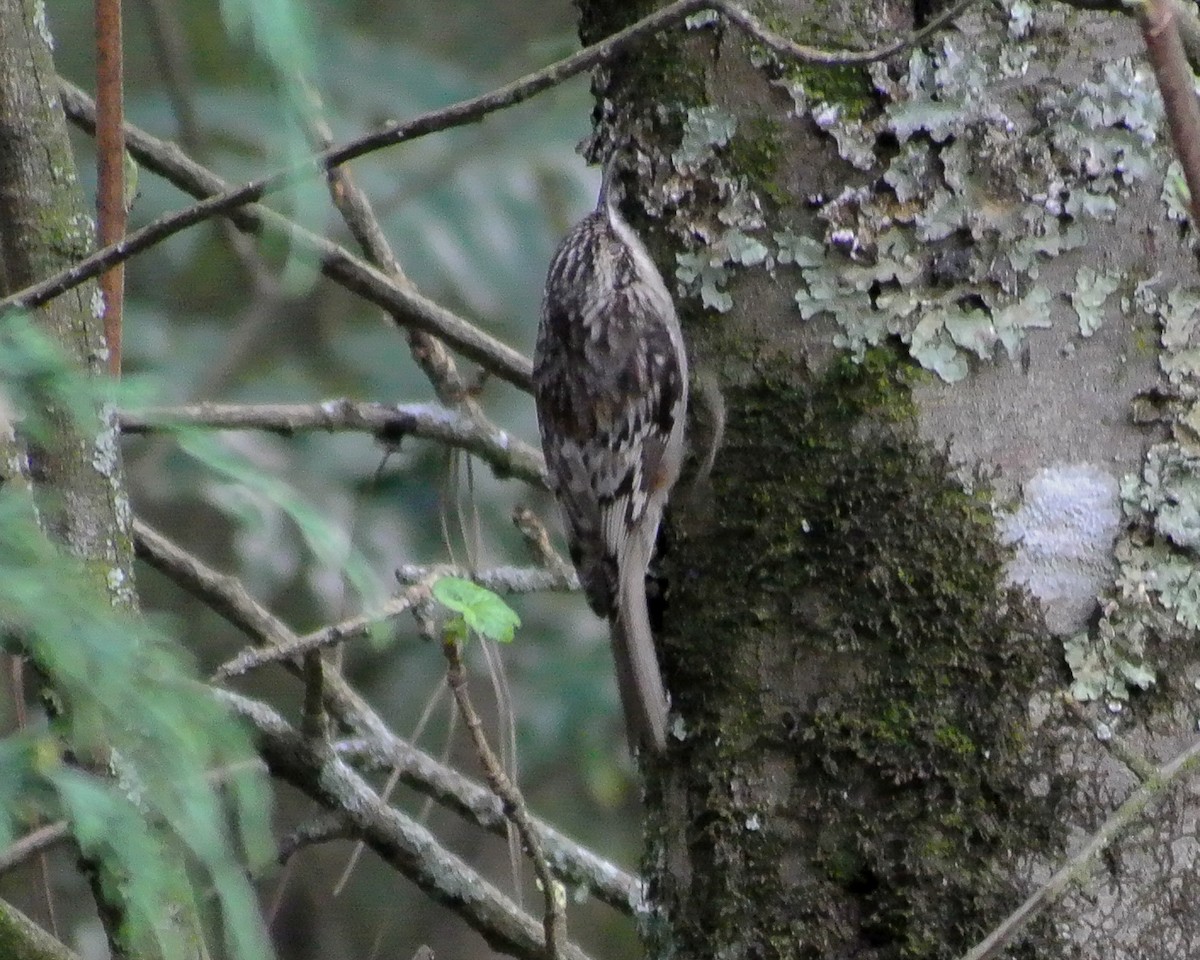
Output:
x=507 y=455
x=321 y=829
x=537 y=541
x=337 y=633
x=554 y=918
x=33 y=843
x=314 y=724
x=456 y=115
x=1121 y=819
x=39 y=840
x=227 y=597
x=224 y=594
x=393 y=778
x=576 y=865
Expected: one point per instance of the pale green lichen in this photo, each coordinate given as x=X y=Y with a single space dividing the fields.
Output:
x=702 y=274
x=1156 y=594
x=728 y=239
x=973 y=206
x=704 y=130
x=1105 y=665
x=1175 y=193
x=946 y=259
x=40 y=24
x=1156 y=591
x=1092 y=289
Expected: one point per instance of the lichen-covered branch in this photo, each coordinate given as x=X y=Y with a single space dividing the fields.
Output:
x=229 y=598
x=498 y=579
x=400 y=841
x=44 y=227
x=576 y=865
x=75 y=465
x=332 y=635
x=32 y=844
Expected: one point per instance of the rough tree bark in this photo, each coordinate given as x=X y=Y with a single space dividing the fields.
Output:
x=44 y=226
x=933 y=293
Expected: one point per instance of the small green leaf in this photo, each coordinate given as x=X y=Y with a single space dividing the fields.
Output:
x=480 y=609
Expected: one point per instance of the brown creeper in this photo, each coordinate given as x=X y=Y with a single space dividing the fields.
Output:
x=610 y=383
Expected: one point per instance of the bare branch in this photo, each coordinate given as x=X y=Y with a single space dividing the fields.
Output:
x=347 y=630
x=321 y=829
x=32 y=844
x=226 y=595
x=314 y=724
x=575 y=864
x=400 y=841
x=354 y=206
x=1121 y=819
x=537 y=540
x=407 y=307
x=25 y=940
x=554 y=918
x=507 y=455
x=497 y=579
x=456 y=115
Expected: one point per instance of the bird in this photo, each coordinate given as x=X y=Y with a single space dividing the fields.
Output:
x=610 y=377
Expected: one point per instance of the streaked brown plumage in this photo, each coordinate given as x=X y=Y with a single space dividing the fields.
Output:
x=610 y=382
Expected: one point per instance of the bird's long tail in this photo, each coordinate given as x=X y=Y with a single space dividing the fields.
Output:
x=638 y=678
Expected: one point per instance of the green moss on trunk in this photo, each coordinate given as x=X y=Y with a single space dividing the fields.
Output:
x=853 y=676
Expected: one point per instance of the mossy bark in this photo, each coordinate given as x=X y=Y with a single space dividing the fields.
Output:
x=853 y=677
x=855 y=772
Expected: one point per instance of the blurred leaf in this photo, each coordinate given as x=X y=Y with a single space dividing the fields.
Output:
x=123 y=690
x=481 y=610
x=35 y=377
x=329 y=543
x=281 y=29
x=123 y=686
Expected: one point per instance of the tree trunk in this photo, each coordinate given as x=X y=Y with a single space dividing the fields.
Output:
x=929 y=291
x=44 y=227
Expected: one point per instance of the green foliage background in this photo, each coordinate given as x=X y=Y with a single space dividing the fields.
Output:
x=473 y=216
